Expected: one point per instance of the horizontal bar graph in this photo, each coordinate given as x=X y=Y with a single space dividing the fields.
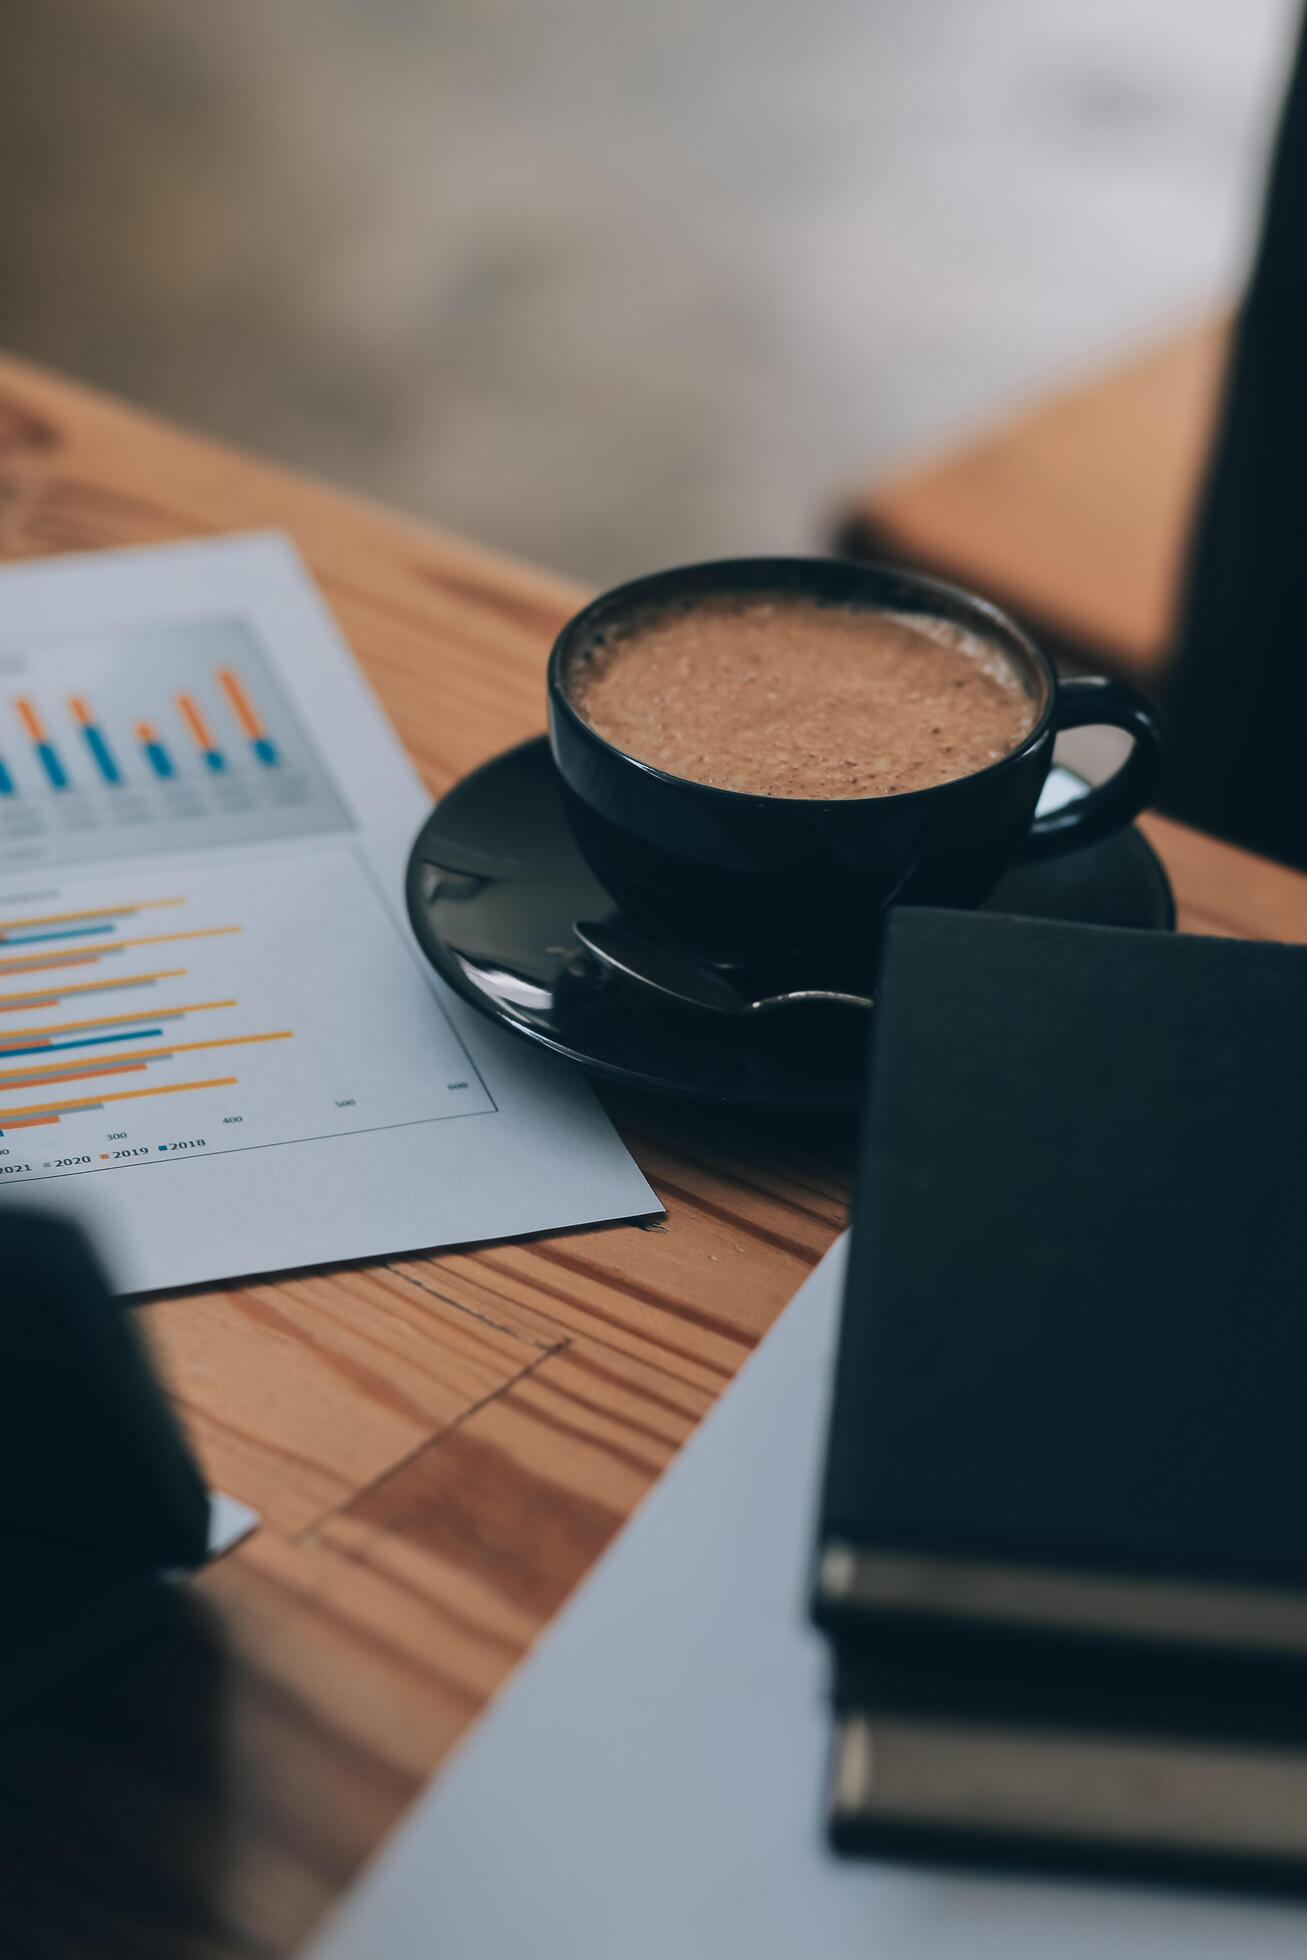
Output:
x=35 y=1114
x=34 y=1041
x=24 y=1003
x=60 y=1054
x=93 y=955
x=253 y=1013
x=9 y=1050
x=135 y=1058
x=45 y=1079
x=89 y=1056
x=65 y=932
x=75 y=925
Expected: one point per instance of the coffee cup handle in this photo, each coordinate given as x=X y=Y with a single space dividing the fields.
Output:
x=1111 y=805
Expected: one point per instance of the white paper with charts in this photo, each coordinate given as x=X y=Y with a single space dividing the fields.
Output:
x=220 y=1048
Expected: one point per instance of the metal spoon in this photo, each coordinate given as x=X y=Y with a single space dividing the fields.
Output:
x=685 y=980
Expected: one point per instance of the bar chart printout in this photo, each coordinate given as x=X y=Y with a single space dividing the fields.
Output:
x=165 y=1020
x=220 y=1049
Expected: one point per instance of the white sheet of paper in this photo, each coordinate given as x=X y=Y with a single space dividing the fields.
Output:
x=650 y=1783
x=220 y=1048
x=229 y=1522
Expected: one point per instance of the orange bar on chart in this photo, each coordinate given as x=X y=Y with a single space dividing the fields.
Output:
x=8 y=1117
x=64 y=1077
x=189 y=710
x=21 y=1003
x=96 y=912
x=33 y=726
x=8 y=1041
x=46 y=754
x=200 y=733
x=35 y=965
x=57 y=1059
x=248 y=718
x=40 y=962
x=240 y=704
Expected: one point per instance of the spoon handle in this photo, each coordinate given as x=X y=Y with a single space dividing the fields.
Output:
x=824 y=994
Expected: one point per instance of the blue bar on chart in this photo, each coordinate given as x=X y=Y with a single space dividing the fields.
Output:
x=155 y=753
x=10 y=1053
x=6 y=780
x=101 y=753
x=67 y=932
x=248 y=718
x=200 y=733
x=46 y=754
x=76 y=925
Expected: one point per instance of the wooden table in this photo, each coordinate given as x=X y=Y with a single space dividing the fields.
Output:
x=440 y=1446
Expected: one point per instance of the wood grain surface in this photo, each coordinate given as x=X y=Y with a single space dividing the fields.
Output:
x=440 y=1445
x=1075 y=513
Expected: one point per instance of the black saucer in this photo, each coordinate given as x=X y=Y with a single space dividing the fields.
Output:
x=495 y=882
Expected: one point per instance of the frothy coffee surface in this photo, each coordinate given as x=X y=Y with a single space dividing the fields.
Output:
x=778 y=695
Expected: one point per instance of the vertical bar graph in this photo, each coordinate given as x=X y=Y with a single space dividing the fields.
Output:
x=248 y=719
x=93 y=736
x=200 y=733
x=46 y=754
x=153 y=750
x=175 y=738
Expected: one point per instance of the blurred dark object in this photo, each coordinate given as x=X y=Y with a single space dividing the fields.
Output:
x=117 y=1805
x=1074 y=515
x=91 y=1456
x=99 y=1495
x=1238 y=693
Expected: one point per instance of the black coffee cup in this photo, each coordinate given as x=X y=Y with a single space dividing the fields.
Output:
x=735 y=876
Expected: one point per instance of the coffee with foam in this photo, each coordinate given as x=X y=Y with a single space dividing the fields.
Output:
x=777 y=694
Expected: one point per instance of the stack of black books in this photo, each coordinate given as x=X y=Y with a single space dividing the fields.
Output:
x=1062 y=1555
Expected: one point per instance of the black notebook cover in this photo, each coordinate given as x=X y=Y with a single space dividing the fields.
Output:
x=1075 y=1329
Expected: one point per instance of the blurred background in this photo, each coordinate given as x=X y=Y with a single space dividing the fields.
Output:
x=611 y=284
